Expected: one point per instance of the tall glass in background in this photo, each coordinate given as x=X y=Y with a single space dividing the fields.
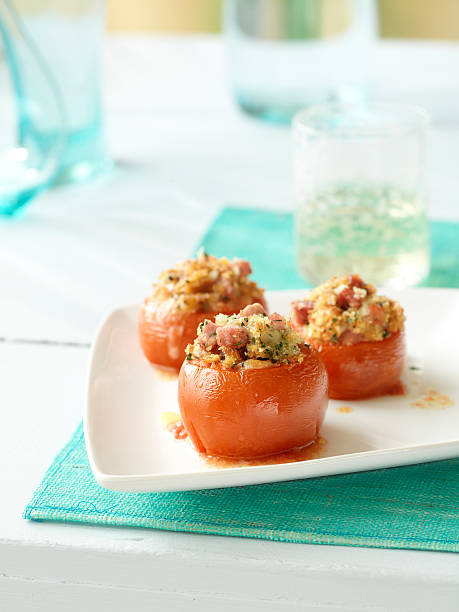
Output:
x=284 y=55
x=360 y=190
x=53 y=50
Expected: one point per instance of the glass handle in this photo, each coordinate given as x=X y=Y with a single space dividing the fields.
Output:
x=30 y=164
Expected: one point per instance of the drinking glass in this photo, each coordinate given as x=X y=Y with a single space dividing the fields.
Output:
x=284 y=55
x=360 y=191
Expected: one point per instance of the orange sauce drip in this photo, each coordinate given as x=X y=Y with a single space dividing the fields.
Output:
x=315 y=450
x=432 y=400
x=178 y=430
x=344 y=409
x=172 y=423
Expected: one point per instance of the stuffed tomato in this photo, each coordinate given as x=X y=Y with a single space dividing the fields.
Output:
x=184 y=296
x=359 y=334
x=250 y=387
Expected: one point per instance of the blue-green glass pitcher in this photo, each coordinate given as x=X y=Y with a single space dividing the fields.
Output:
x=53 y=51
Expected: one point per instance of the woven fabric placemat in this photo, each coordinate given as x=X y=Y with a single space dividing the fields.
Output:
x=413 y=507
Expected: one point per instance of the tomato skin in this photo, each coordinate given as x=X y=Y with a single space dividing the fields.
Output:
x=164 y=331
x=253 y=413
x=366 y=369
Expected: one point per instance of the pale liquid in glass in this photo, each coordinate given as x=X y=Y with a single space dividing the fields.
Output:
x=376 y=230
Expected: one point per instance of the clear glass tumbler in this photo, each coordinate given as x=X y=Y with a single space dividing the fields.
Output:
x=360 y=190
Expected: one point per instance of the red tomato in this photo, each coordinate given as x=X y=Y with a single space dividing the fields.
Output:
x=164 y=332
x=256 y=412
x=365 y=369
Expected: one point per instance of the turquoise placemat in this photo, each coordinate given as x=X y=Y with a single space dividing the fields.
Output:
x=411 y=507
x=414 y=507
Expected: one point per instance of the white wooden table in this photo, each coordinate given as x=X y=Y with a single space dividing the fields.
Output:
x=79 y=251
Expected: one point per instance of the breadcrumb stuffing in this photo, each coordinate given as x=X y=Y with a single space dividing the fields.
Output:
x=346 y=310
x=247 y=341
x=207 y=284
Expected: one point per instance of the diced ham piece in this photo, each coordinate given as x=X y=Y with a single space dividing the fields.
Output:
x=349 y=337
x=205 y=286
x=300 y=312
x=243 y=266
x=231 y=336
x=354 y=280
x=347 y=299
x=277 y=321
x=208 y=337
x=228 y=287
x=377 y=313
x=252 y=309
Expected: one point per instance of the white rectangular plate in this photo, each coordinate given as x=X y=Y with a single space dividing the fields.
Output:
x=129 y=451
